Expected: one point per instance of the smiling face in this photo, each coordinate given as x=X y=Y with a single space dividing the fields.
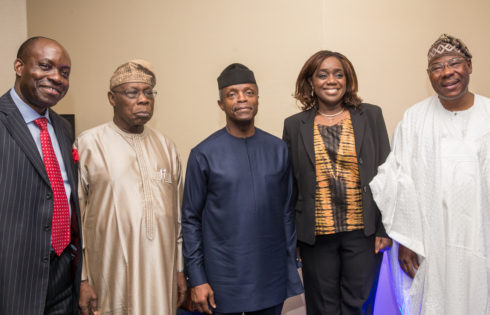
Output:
x=329 y=83
x=240 y=102
x=450 y=83
x=42 y=74
x=131 y=114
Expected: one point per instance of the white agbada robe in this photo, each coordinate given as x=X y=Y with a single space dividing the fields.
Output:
x=433 y=194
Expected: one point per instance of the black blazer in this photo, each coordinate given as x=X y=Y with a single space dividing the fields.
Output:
x=372 y=148
x=26 y=208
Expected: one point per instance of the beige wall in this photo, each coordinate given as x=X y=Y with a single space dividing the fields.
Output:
x=190 y=42
x=13 y=31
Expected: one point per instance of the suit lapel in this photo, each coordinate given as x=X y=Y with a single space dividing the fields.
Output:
x=15 y=124
x=65 y=146
x=306 y=130
x=359 y=124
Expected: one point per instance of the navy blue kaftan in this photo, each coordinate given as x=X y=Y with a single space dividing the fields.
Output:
x=237 y=221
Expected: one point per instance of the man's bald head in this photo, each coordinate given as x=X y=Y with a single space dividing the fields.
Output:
x=26 y=46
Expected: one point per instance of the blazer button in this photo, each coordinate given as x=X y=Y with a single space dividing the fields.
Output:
x=45 y=259
x=360 y=160
x=365 y=188
x=49 y=196
x=47 y=227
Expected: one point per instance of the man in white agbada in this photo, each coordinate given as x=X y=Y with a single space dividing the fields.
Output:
x=433 y=193
x=130 y=199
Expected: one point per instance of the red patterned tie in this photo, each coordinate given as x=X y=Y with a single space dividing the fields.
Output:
x=60 y=235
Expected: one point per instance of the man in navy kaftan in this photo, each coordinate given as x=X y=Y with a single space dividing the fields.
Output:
x=238 y=225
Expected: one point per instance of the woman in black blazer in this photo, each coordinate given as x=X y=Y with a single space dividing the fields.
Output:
x=336 y=145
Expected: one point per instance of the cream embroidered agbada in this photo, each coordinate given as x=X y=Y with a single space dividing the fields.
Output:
x=433 y=200
x=130 y=197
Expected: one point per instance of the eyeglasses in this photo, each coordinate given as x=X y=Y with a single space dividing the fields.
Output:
x=454 y=63
x=132 y=94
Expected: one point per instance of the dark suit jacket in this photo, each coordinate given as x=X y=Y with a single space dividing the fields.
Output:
x=26 y=208
x=372 y=148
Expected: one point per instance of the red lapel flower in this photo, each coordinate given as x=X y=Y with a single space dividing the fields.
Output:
x=76 y=158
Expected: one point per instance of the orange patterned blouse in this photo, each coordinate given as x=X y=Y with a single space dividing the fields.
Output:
x=338 y=202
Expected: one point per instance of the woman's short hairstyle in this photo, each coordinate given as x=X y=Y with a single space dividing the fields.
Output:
x=304 y=90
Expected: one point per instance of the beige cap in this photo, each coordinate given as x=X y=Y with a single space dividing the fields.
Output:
x=136 y=70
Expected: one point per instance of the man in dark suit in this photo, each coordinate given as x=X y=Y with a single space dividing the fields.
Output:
x=39 y=215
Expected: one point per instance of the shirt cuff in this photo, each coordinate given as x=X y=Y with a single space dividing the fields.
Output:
x=196 y=275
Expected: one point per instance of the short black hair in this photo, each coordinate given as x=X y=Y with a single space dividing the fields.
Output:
x=24 y=48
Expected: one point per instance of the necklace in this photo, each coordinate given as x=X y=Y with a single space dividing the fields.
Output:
x=330 y=116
